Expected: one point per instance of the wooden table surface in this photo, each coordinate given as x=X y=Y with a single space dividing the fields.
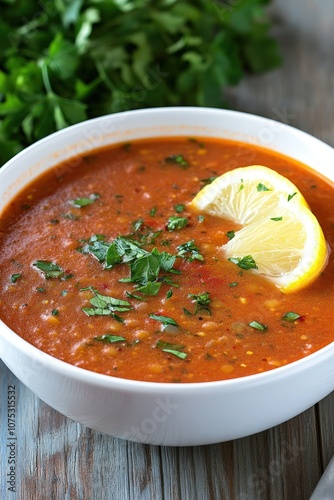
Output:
x=60 y=459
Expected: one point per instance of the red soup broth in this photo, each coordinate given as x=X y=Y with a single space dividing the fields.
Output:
x=186 y=310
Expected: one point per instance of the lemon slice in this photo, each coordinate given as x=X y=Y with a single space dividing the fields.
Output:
x=245 y=194
x=280 y=236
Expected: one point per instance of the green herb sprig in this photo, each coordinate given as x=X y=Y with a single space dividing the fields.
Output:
x=202 y=302
x=104 y=305
x=62 y=62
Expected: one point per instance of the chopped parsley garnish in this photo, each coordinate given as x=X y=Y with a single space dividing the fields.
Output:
x=179 y=208
x=97 y=246
x=200 y=218
x=151 y=288
x=145 y=267
x=258 y=326
x=169 y=294
x=169 y=281
x=84 y=202
x=134 y=296
x=262 y=187
x=291 y=316
x=194 y=140
x=208 y=180
x=55 y=312
x=290 y=196
x=165 y=320
x=189 y=251
x=137 y=224
x=104 y=305
x=276 y=218
x=153 y=211
x=230 y=234
x=177 y=160
x=40 y=289
x=15 y=277
x=241 y=186
x=246 y=262
x=110 y=338
x=187 y=312
x=175 y=223
x=50 y=269
x=233 y=284
x=64 y=293
x=175 y=349
x=202 y=302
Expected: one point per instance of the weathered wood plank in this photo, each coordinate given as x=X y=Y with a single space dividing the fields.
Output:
x=326 y=429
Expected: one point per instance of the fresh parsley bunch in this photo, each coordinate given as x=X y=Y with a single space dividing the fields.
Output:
x=64 y=61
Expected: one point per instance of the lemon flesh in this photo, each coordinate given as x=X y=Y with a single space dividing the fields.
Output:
x=280 y=232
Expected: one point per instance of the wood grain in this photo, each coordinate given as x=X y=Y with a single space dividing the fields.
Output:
x=60 y=459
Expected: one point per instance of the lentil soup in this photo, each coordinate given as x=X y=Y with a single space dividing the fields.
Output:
x=104 y=266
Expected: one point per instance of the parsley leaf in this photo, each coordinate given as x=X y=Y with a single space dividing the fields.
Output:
x=150 y=288
x=104 y=305
x=262 y=187
x=246 y=262
x=233 y=284
x=291 y=316
x=50 y=269
x=189 y=251
x=258 y=326
x=179 y=208
x=230 y=234
x=15 y=277
x=175 y=223
x=110 y=338
x=145 y=269
x=290 y=196
x=97 y=246
x=208 y=180
x=165 y=320
x=137 y=224
x=177 y=160
x=84 y=202
x=242 y=186
x=175 y=349
x=134 y=296
x=202 y=302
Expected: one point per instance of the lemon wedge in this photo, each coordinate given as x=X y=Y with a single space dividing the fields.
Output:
x=281 y=236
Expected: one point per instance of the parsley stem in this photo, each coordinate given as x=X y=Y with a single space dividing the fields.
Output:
x=46 y=79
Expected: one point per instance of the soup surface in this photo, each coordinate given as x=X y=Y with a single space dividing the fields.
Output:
x=104 y=265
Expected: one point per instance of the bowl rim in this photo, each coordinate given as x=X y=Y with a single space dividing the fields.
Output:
x=129 y=385
x=169 y=110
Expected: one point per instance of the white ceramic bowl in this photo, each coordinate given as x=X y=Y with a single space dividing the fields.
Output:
x=156 y=413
